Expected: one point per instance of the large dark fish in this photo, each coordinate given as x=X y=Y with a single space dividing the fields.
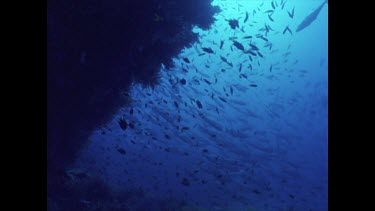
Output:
x=310 y=18
x=208 y=50
x=238 y=45
x=247 y=17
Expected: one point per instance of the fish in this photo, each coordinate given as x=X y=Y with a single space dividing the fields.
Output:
x=269 y=28
x=251 y=67
x=287 y=29
x=123 y=124
x=233 y=23
x=238 y=45
x=253 y=85
x=223 y=59
x=240 y=67
x=271 y=68
x=183 y=81
x=259 y=54
x=310 y=18
x=121 y=151
x=186 y=60
x=269 y=11
x=232 y=38
x=207 y=50
x=205 y=80
x=221 y=44
x=269 y=17
x=268 y=45
x=199 y=104
x=246 y=17
x=201 y=54
x=251 y=59
x=248 y=37
x=273 y=5
x=282 y=6
x=231 y=90
x=254 y=47
x=242 y=29
x=291 y=15
x=243 y=75
x=222 y=99
x=250 y=52
x=263 y=38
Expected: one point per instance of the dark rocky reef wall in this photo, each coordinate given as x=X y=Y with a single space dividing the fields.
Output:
x=96 y=49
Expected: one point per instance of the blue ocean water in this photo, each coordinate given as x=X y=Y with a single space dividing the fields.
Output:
x=228 y=130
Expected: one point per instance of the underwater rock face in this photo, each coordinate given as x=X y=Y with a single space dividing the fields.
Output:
x=96 y=49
